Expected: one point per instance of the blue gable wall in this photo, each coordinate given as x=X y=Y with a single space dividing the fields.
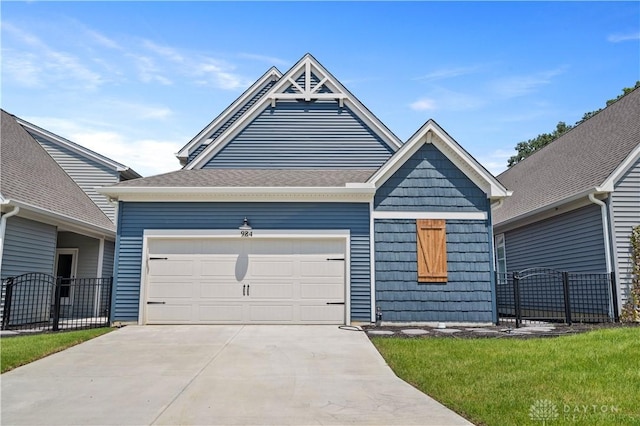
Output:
x=429 y=181
x=466 y=297
x=304 y=135
x=134 y=218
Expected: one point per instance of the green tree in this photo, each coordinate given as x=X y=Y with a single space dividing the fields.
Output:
x=526 y=148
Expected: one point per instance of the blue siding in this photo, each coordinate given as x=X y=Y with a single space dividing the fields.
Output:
x=429 y=181
x=218 y=131
x=466 y=297
x=569 y=242
x=135 y=217
x=29 y=246
x=304 y=135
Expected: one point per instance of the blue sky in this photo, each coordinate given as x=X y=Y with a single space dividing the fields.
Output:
x=137 y=80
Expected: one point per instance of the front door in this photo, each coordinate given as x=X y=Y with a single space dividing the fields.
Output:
x=66 y=268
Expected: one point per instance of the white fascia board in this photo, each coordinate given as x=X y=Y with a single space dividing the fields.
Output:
x=73 y=146
x=307 y=61
x=559 y=207
x=430 y=215
x=609 y=184
x=257 y=233
x=62 y=221
x=432 y=133
x=230 y=194
x=272 y=73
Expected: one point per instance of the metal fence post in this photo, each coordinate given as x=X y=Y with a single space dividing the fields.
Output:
x=567 y=302
x=614 y=298
x=6 y=312
x=56 y=304
x=516 y=298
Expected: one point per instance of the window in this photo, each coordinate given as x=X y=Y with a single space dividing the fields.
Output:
x=432 y=250
x=501 y=259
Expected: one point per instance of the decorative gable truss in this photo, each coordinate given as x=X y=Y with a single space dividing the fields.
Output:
x=306 y=81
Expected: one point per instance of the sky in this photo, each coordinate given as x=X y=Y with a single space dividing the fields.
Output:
x=136 y=81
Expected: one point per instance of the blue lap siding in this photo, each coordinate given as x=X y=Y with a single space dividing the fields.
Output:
x=135 y=217
x=430 y=182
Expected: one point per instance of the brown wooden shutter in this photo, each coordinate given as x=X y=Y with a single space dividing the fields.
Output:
x=432 y=250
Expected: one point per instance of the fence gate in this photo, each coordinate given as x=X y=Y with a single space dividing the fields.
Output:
x=39 y=302
x=542 y=294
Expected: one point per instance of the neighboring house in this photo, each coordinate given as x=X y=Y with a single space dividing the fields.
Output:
x=297 y=205
x=576 y=200
x=53 y=221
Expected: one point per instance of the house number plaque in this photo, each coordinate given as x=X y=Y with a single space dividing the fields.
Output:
x=246 y=234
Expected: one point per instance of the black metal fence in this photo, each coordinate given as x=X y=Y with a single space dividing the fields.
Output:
x=540 y=294
x=41 y=302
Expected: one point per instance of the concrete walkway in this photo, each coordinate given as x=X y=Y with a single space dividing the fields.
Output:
x=211 y=375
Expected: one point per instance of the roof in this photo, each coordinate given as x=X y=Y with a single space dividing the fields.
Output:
x=125 y=171
x=587 y=159
x=254 y=178
x=432 y=133
x=31 y=178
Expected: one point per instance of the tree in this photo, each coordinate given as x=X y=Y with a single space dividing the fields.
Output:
x=526 y=148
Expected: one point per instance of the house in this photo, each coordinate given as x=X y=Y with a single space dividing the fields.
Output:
x=576 y=201
x=53 y=221
x=297 y=205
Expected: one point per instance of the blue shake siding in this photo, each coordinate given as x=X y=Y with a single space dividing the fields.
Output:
x=134 y=218
x=466 y=297
x=304 y=135
x=429 y=181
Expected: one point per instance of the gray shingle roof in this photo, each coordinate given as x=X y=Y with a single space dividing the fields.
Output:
x=576 y=162
x=30 y=175
x=258 y=178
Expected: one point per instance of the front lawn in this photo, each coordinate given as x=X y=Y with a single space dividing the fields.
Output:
x=584 y=379
x=20 y=350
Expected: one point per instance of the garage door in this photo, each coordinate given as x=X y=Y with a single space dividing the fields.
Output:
x=227 y=281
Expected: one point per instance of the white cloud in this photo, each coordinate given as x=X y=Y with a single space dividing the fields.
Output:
x=619 y=37
x=271 y=60
x=210 y=72
x=423 y=104
x=166 y=52
x=148 y=72
x=445 y=73
x=515 y=86
x=496 y=161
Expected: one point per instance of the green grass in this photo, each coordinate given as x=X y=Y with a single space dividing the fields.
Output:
x=591 y=378
x=21 y=350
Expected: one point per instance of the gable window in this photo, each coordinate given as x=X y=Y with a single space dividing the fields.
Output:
x=432 y=250
x=501 y=259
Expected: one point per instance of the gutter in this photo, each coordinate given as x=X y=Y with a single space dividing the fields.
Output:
x=605 y=228
x=3 y=227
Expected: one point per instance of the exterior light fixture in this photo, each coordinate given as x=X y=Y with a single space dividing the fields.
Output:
x=245 y=225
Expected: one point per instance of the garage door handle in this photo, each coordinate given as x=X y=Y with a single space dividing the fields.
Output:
x=158 y=258
x=335 y=303
x=243 y=287
x=336 y=258
x=247 y=289
x=156 y=303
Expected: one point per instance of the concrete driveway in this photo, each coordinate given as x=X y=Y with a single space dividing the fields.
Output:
x=206 y=375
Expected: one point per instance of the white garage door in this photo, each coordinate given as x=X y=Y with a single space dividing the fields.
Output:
x=222 y=280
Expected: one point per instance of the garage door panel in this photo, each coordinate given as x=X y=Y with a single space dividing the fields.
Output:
x=164 y=246
x=226 y=246
x=221 y=313
x=219 y=267
x=270 y=313
x=170 y=290
x=169 y=313
x=321 y=268
x=213 y=290
x=322 y=291
x=268 y=289
x=171 y=268
x=268 y=266
x=321 y=313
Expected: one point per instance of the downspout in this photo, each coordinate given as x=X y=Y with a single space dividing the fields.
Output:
x=3 y=227
x=607 y=248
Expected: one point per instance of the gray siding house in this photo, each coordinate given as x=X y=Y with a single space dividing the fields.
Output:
x=297 y=205
x=52 y=220
x=576 y=201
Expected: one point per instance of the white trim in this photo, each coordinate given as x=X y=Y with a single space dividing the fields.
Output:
x=235 y=234
x=431 y=133
x=272 y=73
x=356 y=193
x=98 y=290
x=372 y=261
x=430 y=215
x=3 y=227
x=609 y=184
x=307 y=62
